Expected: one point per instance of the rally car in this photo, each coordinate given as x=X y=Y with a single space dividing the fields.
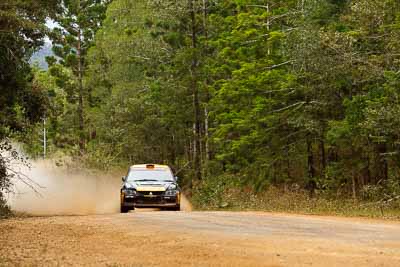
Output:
x=150 y=186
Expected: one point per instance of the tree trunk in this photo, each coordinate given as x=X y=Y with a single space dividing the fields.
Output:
x=80 y=93
x=268 y=28
x=205 y=6
x=323 y=157
x=354 y=186
x=207 y=99
x=196 y=100
x=207 y=135
x=353 y=170
x=288 y=166
x=311 y=184
x=382 y=166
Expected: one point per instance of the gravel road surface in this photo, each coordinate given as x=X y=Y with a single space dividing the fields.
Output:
x=164 y=238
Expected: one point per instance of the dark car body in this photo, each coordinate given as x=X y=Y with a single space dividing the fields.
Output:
x=150 y=186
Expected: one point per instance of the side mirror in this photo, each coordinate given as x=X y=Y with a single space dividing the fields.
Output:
x=123 y=178
x=176 y=178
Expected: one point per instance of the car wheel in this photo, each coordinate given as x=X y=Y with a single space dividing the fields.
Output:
x=177 y=208
x=124 y=209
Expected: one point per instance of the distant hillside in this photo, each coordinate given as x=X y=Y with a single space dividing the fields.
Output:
x=40 y=56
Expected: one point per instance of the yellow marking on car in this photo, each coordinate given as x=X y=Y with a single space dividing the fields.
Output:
x=150 y=166
x=150 y=188
x=157 y=166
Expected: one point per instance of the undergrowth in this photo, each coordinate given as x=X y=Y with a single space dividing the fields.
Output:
x=5 y=211
x=221 y=194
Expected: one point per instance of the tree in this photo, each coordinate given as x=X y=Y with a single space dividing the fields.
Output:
x=371 y=102
x=156 y=84
x=293 y=92
x=254 y=91
x=138 y=110
x=22 y=30
x=79 y=21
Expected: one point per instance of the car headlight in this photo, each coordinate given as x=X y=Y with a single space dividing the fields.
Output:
x=129 y=192
x=172 y=187
x=172 y=190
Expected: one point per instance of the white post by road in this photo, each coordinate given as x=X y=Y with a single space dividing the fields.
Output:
x=44 y=138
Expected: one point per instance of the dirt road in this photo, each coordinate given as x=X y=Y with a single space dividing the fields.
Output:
x=154 y=238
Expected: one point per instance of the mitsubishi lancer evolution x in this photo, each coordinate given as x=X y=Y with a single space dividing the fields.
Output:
x=150 y=186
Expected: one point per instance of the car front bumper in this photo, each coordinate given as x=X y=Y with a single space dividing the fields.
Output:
x=146 y=201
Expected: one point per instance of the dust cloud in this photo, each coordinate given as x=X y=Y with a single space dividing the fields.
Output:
x=65 y=191
x=185 y=204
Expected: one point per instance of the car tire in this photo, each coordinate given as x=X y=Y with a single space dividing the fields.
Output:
x=177 y=208
x=124 y=209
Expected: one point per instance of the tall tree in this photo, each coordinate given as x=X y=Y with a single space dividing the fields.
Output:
x=78 y=23
x=141 y=111
x=254 y=91
x=22 y=31
x=195 y=91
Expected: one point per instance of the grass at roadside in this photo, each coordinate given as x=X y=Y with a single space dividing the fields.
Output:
x=280 y=200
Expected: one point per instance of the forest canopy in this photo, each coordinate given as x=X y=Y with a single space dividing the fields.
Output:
x=22 y=103
x=252 y=93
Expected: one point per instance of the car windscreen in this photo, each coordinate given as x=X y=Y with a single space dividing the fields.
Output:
x=150 y=175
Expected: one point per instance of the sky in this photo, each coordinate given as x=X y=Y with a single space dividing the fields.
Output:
x=51 y=24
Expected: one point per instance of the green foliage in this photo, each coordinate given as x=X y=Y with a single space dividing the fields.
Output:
x=292 y=201
x=22 y=103
x=385 y=191
x=214 y=192
x=78 y=23
x=289 y=93
x=22 y=29
x=292 y=93
x=4 y=209
x=59 y=114
x=253 y=102
x=140 y=111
